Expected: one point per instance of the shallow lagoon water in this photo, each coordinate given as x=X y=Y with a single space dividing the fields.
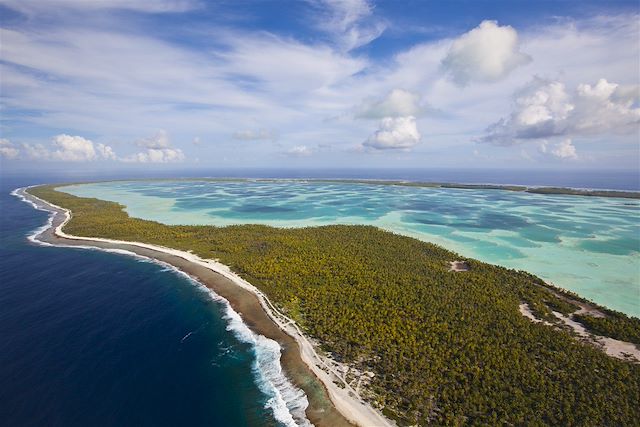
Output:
x=590 y=245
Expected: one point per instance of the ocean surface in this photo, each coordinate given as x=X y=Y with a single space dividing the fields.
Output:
x=89 y=338
x=590 y=245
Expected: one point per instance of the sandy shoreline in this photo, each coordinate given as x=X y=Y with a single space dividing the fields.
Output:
x=612 y=347
x=329 y=404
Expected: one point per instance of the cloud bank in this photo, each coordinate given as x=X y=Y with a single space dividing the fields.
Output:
x=67 y=148
x=155 y=155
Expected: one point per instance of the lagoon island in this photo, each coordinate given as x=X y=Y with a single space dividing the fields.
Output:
x=380 y=328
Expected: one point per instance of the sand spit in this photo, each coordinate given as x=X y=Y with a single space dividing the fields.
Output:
x=612 y=347
x=333 y=402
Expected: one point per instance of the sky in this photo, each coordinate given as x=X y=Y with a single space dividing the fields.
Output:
x=126 y=84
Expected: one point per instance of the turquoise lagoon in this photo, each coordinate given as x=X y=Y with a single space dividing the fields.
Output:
x=589 y=245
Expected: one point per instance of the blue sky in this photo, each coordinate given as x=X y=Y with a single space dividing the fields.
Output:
x=109 y=84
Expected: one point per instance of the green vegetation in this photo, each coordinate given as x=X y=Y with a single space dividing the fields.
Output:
x=446 y=348
x=485 y=187
x=535 y=190
x=615 y=325
x=594 y=193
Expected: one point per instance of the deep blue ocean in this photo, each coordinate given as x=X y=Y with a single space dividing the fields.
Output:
x=89 y=338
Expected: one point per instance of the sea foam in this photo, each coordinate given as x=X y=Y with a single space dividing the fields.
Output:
x=287 y=402
x=33 y=235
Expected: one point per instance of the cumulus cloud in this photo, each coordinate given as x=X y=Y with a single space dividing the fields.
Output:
x=157 y=150
x=105 y=152
x=350 y=22
x=73 y=149
x=398 y=102
x=397 y=112
x=545 y=109
x=564 y=150
x=8 y=150
x=68 y=148
x=487 y=53
x=253 y=135
x=155 y=155
x=394 y=133
x=606 y=107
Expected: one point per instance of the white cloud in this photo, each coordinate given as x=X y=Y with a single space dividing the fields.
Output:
x=545 y=109
x=73 y=149
x=395 y=133
x=253 y=135
x=288 y=68
x=487 y=53
x=37 y=152
x=606 y=107
x=105 y=152
x=350 y=22
x=67 y=148
x=158 y=150
x=8 y=150
x=299 y=151
x=156 y=155
x=398 y=102
x=564 y=150
x=158 y=141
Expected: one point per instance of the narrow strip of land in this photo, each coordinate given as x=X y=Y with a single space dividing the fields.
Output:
x=332 y=401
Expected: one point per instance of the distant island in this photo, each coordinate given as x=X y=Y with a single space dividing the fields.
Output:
x=377 y=327
x=535 y=190
x=521 y=188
